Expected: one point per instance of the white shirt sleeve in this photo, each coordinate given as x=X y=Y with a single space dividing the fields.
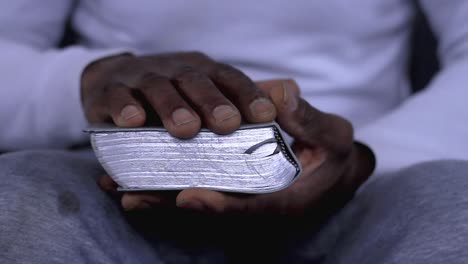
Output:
x=432 y=124
x=40 y=102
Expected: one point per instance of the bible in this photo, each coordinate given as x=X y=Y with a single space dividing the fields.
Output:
x=253 y=159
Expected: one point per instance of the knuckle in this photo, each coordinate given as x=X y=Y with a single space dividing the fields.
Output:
x=151 y=77
x=150 y=81
x=116 y=94
x=107 y=90
x=226 y=71
x=188 y=75
x=344 y=128
x=202 y=61
x=145 y=88
x=111 y=92
x=183 y=70
x=307 y=117
x=95 y=115
x=343 y=136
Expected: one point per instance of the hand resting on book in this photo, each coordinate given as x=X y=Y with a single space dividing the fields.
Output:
x=183 y=89
x=334 y=166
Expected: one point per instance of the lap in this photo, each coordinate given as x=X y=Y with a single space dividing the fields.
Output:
x=54 y=212
x=416 y=215
x=52 y=196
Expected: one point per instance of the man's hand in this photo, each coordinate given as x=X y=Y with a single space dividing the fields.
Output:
x=334 y=166
x=184 y=90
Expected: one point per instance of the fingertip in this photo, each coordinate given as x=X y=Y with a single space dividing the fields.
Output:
x=268 y=85
x=192 y=205
x=185 y=196
x=130 y=116
x=285 y=97
x=226 y=119
x=107 y=184
x=137 y=201
x=184 y=130
x=293 y=86
x=262 y=110
x=129 y=202
x=201 y=200
x=183 y=116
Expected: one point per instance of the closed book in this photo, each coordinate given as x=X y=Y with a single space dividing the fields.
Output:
x=252 y=159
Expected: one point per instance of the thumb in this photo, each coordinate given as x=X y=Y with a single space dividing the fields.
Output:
x=267 y=85
x=307 y=124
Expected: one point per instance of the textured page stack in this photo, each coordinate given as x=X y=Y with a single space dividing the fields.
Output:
x=253 y=159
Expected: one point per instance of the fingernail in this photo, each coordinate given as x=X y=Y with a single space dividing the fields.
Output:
x=182 y=116
x=289 y=98
x=224 y=112
x=262 y=107
x=129 y=112
x=193 y=205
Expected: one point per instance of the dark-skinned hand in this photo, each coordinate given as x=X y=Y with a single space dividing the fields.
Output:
x=334 y=165
x=185 y=90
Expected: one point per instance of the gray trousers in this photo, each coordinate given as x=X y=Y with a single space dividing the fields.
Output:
x=52 y=211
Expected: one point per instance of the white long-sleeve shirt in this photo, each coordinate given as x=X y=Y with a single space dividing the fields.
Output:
x=349 y=57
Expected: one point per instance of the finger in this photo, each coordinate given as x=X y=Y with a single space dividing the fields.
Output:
x=210 y=201
x=125 y=110
x=107 y=184
x=145 y=200
x=217 y=112
x=219 y=202
x=250 y=100
x=267 y=85
x=309 y=125
x=177 y=115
